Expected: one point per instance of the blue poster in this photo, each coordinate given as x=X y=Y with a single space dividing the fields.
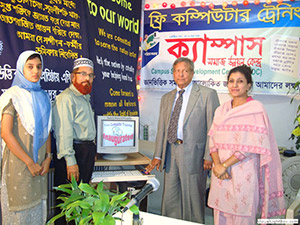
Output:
x=107 y=32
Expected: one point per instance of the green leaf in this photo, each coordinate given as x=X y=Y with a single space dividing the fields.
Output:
x=109 y=220
x=86 y=212
x=68 y=191
x=69 y=212
x=85 y=221
x=134 y=209
x=75 y=218
x=98 y=217
x=90 y=200
x=53 y=219
x=87 y=189
x=74 y=183
x=124 y=203
x=68 y=185
x=296 y=84
x=118 y=197
x=296 y=131
x=82 y=204
x=102 y=204
x=73 y=198
x=63 y=198
x=118 y=218
x=100 y=187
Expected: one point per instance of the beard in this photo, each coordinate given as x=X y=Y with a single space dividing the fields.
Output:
x=84 y=87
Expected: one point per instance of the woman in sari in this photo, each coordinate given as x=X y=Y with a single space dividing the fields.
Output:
x=26 y=148
x=247 y=177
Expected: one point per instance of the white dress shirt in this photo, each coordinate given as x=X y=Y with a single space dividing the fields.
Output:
x=185 y=95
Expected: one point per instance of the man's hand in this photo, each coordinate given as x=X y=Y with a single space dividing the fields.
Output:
x=207 y=165
x=154 y=163
x=73 y=171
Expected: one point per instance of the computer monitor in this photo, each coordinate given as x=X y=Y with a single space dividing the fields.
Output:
x=117 y=136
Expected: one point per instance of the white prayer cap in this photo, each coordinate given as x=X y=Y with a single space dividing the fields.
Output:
x=83 y=62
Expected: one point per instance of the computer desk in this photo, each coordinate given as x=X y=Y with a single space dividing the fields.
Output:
x=134 y=159
x=137 y=160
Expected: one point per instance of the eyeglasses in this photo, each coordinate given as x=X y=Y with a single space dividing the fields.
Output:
x=181 y=71
x=85 y=74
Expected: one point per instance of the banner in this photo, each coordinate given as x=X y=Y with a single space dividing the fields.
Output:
x=107 y=32
x=264 y=36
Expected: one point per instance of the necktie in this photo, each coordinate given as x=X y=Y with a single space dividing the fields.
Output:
x=172 y=130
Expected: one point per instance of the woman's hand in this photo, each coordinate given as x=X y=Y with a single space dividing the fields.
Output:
x=225 y=176
x=34 y=168
x=219 y=170
x=45 y=166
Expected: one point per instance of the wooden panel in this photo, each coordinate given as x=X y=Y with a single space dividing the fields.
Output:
x=133 y=159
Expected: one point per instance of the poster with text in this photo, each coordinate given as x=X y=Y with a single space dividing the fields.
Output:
x=265 y=37
x=107 y=32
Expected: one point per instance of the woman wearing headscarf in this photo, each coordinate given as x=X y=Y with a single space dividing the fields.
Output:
x=247 y=176
x=26 y=147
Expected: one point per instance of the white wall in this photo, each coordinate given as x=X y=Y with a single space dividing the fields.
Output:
x=279 y=109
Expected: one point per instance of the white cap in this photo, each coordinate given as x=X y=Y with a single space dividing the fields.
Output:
x=83 y=62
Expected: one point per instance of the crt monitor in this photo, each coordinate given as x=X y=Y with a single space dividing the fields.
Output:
x=117 y=136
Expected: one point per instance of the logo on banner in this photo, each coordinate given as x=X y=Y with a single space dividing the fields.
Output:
x=150 y=46
x=150 y=41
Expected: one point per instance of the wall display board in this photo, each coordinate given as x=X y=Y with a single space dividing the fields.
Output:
x=264 y=36
x=107 y=32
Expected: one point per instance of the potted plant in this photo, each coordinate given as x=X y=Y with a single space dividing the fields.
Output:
x=296 y=132
x=88 y=205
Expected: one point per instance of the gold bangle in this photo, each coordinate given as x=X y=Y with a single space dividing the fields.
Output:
x=224 y=165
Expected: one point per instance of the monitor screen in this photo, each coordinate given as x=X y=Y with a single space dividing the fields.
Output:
x=117 y=134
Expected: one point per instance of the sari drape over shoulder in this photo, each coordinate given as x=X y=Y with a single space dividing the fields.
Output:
x=256 y=180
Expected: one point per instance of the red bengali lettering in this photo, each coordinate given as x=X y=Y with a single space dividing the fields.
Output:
x=118 y=139
x=180 y=44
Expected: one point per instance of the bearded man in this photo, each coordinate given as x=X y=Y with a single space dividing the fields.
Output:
x=74 y=126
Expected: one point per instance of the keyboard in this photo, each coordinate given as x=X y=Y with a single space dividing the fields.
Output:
x=119 y=175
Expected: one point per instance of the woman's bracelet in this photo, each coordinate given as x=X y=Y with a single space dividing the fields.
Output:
x=49 y=155
x=224 y=165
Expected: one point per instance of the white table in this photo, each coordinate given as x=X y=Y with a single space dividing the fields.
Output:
x=152 y=219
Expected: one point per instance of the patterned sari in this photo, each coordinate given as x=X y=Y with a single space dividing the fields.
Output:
x=256 y=180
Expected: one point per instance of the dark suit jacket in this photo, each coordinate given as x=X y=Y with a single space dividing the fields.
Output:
x=197 y=120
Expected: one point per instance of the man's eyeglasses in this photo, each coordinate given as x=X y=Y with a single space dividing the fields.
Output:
x=181 y=72
x=85 y=74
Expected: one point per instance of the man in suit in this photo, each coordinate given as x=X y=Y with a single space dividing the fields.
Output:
x=185 y=157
